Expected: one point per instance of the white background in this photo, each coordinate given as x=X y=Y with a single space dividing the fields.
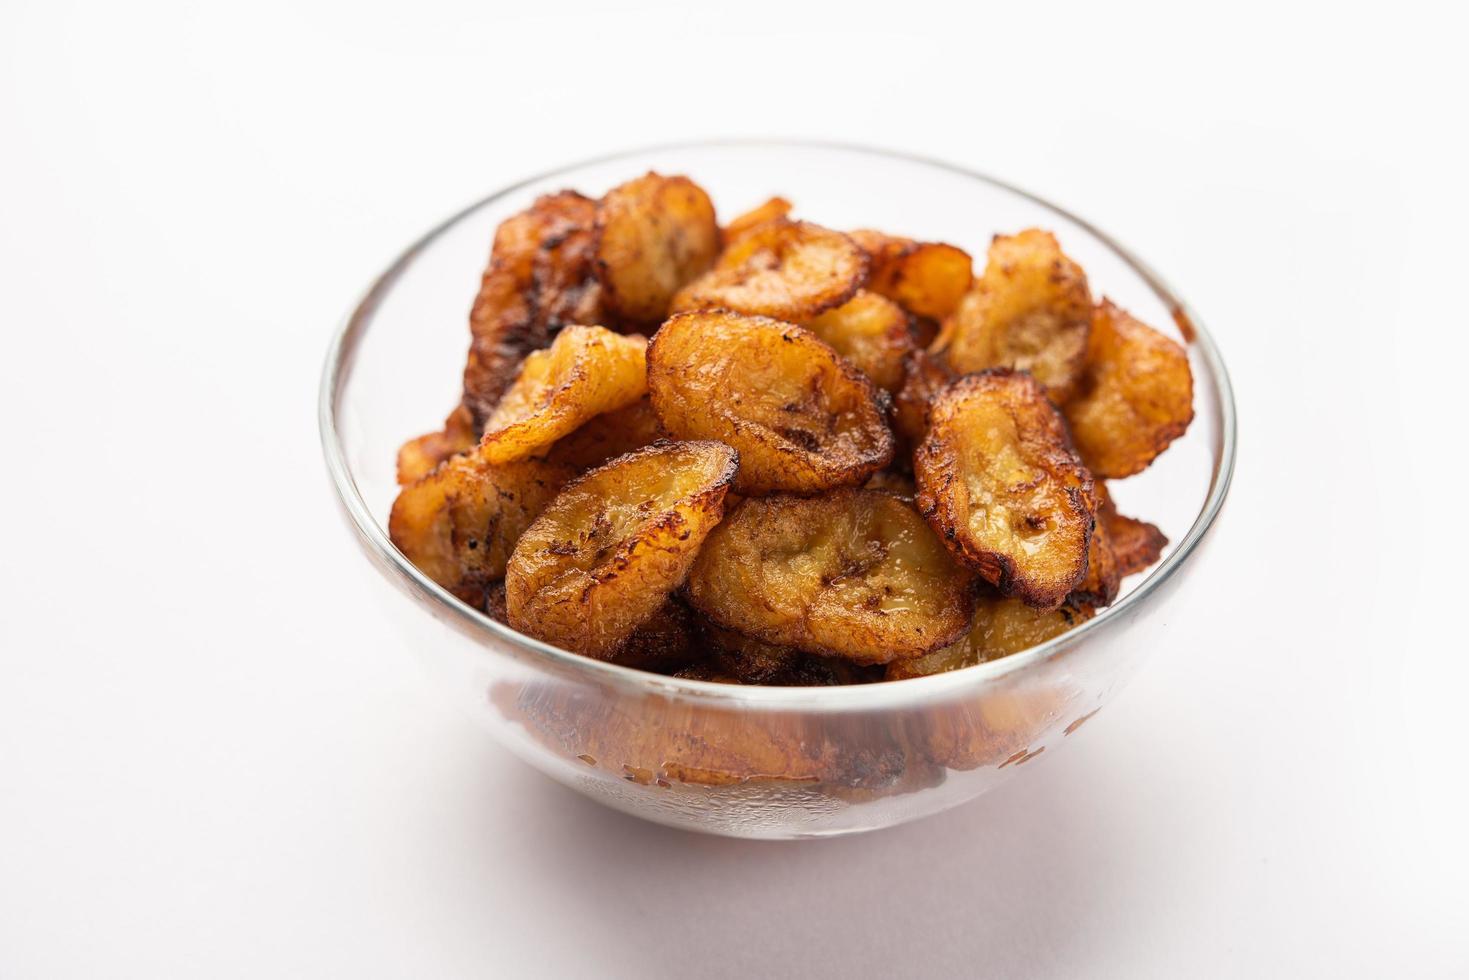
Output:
x=213 y=761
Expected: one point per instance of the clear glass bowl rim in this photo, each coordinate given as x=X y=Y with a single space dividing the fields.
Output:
x=354 y=328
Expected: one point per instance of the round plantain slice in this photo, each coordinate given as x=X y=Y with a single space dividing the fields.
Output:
x=540 y=277
x=417 y=458
x=459 y=524
x=872 y=332
x=791 y=270
x=1136 y=396
x=602 y=558
x=608 y=436
x=774 y=209
x=1031 y=310
x=926 y=278
x=853 y=573
x=1135 y=544
x=998 y=481
x=654 y=234
x=803 y=419
x=586 y=371
x=1001 y=627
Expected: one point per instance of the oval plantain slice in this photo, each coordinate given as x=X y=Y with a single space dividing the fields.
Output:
x=418 y=457
x=1031 y=310
x=608 y=436
x=602 y=558
x=1001 y=627
x=774 y=209
x=1136 y=396
x=872 y=332
x=540 y=276
x=853 y=573
x=802 y=418
x=791 y=270
x=459 y=523
x=654 y=234
x=1135 y=544
x=586 y=371
x=926 y=278
x=998 y=481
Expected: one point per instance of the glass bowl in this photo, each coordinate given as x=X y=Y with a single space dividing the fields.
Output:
x=762 y=762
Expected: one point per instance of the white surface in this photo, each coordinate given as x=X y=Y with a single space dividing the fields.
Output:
x=213 y=762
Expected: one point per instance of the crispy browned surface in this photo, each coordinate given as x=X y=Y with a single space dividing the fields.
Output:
x=540 y=277
x=791 y=270
x=853 y=573
x=459 y=524
x=586 y=371
x=740 y=659
x=608 y=435
x=418 y=457
x=654 y=234
x=872 y=332
x=602 y=558
x=495 y=603
x=1136 y=396
x=667 y=640
x=926 y=278
x=998 y=480
x=802 y=418
x=1099 y=586
x=900 y=485
x=1136 y=544
x=923 y=378
x=1001 y=627
x=1030 y=310
x=773 y=209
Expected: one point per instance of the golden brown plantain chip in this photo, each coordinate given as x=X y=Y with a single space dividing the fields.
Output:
x=926 y=278
x=540 y=277
x=1136 y=544
x=459 y=524
x=1030 y=310
x=998 y=481
x=853 y=573
x=608 y=436
x=802 y=418
x=667 y=640
x=775 y=209
x=602 y=557
x=790 y=270
x=872 y=332
x=1135 y=397
x=654 y=234
x=1001 y=627
x=417 y=458
x=585 y=372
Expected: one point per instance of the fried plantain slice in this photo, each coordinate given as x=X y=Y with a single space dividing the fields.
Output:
x=1030 y=310
x=608 y=436
x=998 y=481
x=602 y=558
x=459 y=524
x=666 y=641
x=586 y=371
x=743 y=659
x=899 y=485
x=775 y=209
x=790 y=270
x=854 y=573
x=540 y=277
x=418 y=457
x=802 y=418
x=1136 y=396
x=872 y=332
x=1001 y=627
x=926 y=278
x=923 y=378
x=1099 y=586
x=653 y=234
x=1136 y=544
